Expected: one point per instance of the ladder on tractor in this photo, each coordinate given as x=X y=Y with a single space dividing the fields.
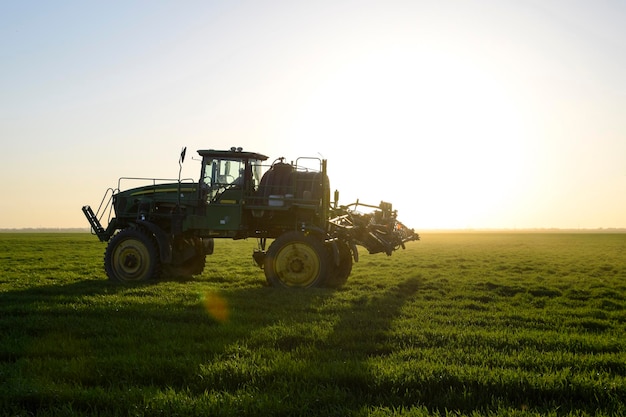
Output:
x=96 y=226
x=94 y=219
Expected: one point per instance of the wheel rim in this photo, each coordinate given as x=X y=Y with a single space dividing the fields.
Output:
x=297 y=265
x=131 y=260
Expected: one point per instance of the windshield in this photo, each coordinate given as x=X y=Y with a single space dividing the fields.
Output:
x=221 y=174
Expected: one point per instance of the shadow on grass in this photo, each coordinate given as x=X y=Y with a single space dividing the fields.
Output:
x=321 y=344
x=105 y=348
x=122 y=344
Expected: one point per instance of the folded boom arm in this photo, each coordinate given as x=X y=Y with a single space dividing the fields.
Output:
x=377 y=231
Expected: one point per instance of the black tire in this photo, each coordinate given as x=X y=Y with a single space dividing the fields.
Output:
x=189 y=268
x=296 y=260
x=339 y=273
x=183 y=265
x=132 y=256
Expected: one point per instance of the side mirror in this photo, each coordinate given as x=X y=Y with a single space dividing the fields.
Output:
x=180 y=167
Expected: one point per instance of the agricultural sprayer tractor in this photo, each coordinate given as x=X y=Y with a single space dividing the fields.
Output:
x=167 y=227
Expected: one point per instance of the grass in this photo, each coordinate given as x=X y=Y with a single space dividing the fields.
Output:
x=458 y=324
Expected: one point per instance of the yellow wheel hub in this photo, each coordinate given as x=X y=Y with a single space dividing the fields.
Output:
x=297 y=264
x=131 y=260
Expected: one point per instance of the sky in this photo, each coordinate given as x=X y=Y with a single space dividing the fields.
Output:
x=463 y=114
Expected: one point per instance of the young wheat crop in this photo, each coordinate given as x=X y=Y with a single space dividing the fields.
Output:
x=466 y=324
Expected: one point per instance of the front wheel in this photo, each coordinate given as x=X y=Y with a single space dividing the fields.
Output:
x=296 y=260
x=132 y=256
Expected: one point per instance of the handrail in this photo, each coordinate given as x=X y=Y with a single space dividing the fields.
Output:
x=153 y=180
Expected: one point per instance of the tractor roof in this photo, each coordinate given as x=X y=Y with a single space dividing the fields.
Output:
x=235 y=153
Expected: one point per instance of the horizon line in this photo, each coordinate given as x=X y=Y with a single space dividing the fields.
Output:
x=427 y=230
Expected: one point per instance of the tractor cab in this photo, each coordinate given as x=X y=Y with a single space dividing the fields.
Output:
x=227 y=177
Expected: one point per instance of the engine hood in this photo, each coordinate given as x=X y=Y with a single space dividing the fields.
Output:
x=128 y=202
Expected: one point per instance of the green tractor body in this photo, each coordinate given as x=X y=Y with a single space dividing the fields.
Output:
x=168 y=227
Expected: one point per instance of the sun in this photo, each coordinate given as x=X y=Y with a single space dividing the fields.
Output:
x=449 y=125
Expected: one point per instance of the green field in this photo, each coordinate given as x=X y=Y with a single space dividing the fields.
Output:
x=457 y=324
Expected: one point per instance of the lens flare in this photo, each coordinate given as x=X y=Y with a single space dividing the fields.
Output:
x=216 y=306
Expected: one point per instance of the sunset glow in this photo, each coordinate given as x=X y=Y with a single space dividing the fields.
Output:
x=498 y=115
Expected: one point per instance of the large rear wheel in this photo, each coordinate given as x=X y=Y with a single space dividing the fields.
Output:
x=132 y=256
x=296 y=260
